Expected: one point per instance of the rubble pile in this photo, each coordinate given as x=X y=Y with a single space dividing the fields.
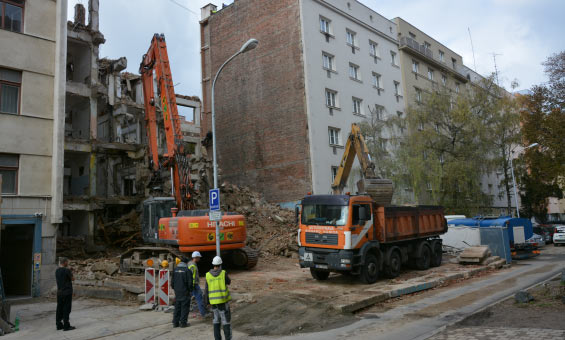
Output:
x=95 y=269
x=124 y=232
x=71 y=246
x=270 y=229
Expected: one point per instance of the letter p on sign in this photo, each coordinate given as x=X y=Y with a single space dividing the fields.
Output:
x=214 y=199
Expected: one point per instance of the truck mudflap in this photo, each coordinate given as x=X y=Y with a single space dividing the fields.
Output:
x=326 y=259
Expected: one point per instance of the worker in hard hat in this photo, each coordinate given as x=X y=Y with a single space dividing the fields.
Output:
x=182 y=284
x=196 y=291
x=218 y=295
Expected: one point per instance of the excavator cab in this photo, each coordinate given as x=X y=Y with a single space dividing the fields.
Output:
x=154 y=209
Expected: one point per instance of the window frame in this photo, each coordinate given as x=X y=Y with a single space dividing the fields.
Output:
x=356 y=72
x=328 y=25
x=393 y=60
x=357 y=106
x=377 y=80
x=441 y=56
x=3 y=10
x=418 y=95
x=331 y=60
x=397 y=88
x=353 y=35
x=415 y=66
x=336 y=134
x=14 y=84
x=374 y=49
x=444 y=79
x=11 y=168
x=333 y=169
x=430 y=74
x=333 y=96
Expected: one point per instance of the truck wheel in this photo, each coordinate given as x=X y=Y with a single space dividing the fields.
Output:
x=370 y=269
x=437 y=255
x=392 y=270
x=318 y=274
x=423 y=262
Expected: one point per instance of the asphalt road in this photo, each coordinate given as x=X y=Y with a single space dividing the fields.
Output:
x=428 y=315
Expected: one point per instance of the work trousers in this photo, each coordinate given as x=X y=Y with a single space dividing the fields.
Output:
x=222 y=319
x=182 y=307
x=197 y=293
x=64 y=304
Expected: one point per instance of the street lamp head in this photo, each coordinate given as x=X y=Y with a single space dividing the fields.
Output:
x=249 y=45
x=532 y=145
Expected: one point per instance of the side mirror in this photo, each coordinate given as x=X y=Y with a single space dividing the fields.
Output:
x=296 y=214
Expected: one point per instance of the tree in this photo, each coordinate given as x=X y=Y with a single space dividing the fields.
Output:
x=543 y=122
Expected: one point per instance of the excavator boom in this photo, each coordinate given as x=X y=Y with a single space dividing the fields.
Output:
x=380 y=190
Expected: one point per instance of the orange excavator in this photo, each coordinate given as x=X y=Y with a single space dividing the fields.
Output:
x=172 y=224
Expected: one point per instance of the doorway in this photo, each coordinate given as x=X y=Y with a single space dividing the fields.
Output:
x=16 y=259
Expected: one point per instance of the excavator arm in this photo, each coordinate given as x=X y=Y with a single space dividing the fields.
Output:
x=379 y=189
x=159 y=92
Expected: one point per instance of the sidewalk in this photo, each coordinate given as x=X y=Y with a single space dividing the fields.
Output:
x=482 y=333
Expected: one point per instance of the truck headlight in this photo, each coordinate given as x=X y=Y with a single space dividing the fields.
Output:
x=345 y=261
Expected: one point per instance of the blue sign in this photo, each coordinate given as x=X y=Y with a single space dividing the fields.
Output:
x=214 y=199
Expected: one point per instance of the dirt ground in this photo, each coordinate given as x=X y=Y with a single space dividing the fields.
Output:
x=546 y=311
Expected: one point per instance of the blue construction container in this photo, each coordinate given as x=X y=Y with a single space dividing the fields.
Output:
x=513 y=225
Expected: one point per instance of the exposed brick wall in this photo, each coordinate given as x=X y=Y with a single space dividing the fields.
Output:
x=261 y=118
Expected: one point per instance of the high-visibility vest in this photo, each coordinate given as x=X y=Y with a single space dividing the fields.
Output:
x=192 y=267
x=218 y=292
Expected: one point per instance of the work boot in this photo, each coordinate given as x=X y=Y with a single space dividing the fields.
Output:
x=59 y=327
x=184 y=325
x=69 y=328
x=175 y=325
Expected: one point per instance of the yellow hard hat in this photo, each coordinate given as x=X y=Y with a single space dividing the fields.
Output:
x=177 y=261
x=165 y=263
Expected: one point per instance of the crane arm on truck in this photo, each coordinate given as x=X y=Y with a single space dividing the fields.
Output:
x=380 y=190
x=159 y=92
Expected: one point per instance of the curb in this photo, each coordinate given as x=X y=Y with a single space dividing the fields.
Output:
x=417 y=287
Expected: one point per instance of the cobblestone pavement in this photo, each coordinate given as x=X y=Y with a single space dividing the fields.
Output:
x=495 y=333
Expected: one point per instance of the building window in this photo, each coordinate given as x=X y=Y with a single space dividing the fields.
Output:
x=12 y=12
x=427 y=45
x=453 y=63
x=9 y=171
x=350 y=37
x=357 y=105
x=374 y=49
x=328 y=61
x=430 y=74
x=325 y=25
x=377 y=80
x=379 y=112
x=415 y=66
x=334 y=136
x=334 y=173
x=457 y=88
x=354 y=71
x=397 y=89
x=393 y=60
x=331 y=98
x=441 y=56
x=444 y=79
x=418 y=95
x=10 y=83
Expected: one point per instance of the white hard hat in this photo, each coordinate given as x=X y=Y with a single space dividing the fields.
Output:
x=196 y=254
x=217 y=261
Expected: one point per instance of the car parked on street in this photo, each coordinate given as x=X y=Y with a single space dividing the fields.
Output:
x=559 y=235
x=536 y=240
x=543 y=232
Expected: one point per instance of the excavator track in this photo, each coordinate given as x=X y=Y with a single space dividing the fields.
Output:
x=244 y=258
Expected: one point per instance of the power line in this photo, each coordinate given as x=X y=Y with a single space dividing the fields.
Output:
x=472 y=49
x=183 y=6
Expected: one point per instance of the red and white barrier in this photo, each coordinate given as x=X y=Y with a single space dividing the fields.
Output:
x=164 y=287
x=149 y=285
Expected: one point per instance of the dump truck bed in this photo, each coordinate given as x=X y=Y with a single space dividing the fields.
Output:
x=406 y=223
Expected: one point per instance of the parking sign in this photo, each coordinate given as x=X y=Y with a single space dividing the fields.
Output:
x=214 y=199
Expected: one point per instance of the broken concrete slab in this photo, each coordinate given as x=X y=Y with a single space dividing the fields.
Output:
x=107 y=267
x=474 y=254
x=99 y=292
x=147 y=307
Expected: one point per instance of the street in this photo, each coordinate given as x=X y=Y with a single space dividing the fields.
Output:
x=418 y=316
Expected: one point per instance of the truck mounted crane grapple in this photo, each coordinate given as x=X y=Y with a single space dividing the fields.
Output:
x=171 y=223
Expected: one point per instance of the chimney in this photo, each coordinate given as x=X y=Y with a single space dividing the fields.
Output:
x=93 y=6
x=207 y=11
x=80 y=14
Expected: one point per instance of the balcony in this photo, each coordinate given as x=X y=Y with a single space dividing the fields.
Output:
x=422 y=51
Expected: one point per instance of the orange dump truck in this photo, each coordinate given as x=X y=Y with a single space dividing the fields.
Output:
x=353 y=234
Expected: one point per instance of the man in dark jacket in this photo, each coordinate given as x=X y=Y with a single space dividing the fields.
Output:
x=182 y=284
x=65 y=279
x=218 y=295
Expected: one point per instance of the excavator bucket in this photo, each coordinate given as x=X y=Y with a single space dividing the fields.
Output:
x=380 y=190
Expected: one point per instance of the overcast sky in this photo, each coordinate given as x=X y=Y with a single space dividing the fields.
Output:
x=521 y=32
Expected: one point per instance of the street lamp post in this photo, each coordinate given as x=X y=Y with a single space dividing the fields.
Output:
x=514 y=179
x=249 y=45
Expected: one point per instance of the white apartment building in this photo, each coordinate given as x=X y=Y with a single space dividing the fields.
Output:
x=352 y=70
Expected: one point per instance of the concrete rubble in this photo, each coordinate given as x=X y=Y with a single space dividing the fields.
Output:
x=474 y=254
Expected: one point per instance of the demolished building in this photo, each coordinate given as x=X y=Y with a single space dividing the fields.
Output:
x=106 y=174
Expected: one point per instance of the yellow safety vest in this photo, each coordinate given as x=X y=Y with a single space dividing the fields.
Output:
x=218 y=292
x=192 y=267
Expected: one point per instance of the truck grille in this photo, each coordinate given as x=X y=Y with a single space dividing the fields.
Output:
x=315 y=238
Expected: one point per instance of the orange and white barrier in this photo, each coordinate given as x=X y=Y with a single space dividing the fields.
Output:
x=149 y=285
x=164 y=284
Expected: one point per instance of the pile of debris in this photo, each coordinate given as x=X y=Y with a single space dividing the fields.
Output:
x=270 y=229
x=95 y=269
x=124 y=232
